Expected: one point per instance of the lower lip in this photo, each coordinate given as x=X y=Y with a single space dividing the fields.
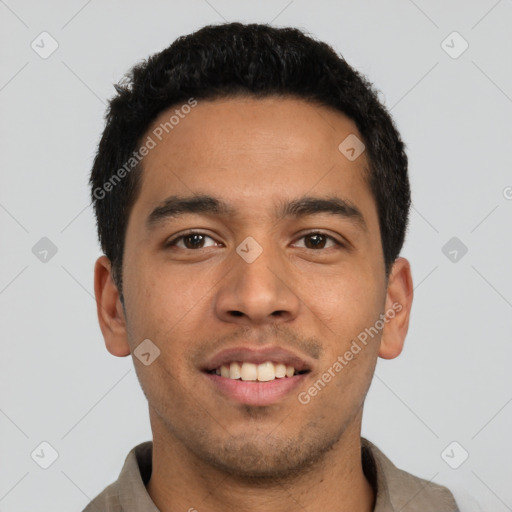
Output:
x=253 y=392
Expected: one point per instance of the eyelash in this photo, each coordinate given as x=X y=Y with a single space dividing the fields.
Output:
x=173 y=241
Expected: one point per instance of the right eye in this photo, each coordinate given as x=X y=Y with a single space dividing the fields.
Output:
x=192 y=241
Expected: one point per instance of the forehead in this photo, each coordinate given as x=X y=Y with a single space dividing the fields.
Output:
x=253 y=153
x=273 y=129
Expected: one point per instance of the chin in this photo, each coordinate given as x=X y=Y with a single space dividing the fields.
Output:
x=267 y=459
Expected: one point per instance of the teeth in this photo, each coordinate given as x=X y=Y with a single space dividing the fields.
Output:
x=263 y=372
x=280 y=370
x=249 y=371
x=234 y=370
x=266 y=372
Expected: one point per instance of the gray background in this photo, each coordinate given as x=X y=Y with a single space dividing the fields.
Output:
x=452 y=382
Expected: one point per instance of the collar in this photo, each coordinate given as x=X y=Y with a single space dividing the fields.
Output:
x=396 y=490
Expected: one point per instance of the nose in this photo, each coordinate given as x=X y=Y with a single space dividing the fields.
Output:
x=258 y=292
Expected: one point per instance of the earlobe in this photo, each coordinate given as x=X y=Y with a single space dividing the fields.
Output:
x=398 y=309
x=110 y=311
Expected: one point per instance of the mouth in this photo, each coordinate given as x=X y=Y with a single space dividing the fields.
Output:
x=256 y=377
x=264 y=372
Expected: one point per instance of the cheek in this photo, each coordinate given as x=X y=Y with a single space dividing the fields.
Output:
x=345 y=300
x=349 y=308
x=159 y=309
x=165 y=305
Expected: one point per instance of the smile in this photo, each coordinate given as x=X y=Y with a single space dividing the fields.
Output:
x=263 y=372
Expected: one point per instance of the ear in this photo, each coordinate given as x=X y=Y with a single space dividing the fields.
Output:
x=398 y=309
x=110 y=310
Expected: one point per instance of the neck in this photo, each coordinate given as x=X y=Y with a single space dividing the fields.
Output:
x=181 y=481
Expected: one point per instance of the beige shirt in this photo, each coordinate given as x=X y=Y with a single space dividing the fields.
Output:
x=396 y=490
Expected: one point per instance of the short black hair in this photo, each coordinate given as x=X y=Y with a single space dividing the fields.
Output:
x=230 y=60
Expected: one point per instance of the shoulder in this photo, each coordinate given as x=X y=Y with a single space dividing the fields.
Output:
x=107 y=500
x=401 y=490
x=128 y=491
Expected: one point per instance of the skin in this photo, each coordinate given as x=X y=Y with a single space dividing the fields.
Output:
x=211 y=453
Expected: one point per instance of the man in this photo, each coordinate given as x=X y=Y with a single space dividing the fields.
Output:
x=252 y=200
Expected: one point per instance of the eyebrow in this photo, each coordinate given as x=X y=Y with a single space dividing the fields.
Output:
x=176 y=206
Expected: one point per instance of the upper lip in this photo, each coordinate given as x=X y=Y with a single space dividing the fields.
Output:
x=257 y=356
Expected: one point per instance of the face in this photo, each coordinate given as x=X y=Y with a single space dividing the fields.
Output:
x=253 y=240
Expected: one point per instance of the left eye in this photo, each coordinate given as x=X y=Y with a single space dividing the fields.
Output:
x=318 y=240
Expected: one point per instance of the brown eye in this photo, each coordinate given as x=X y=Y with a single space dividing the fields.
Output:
x=317 y=241
x=190 y=241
